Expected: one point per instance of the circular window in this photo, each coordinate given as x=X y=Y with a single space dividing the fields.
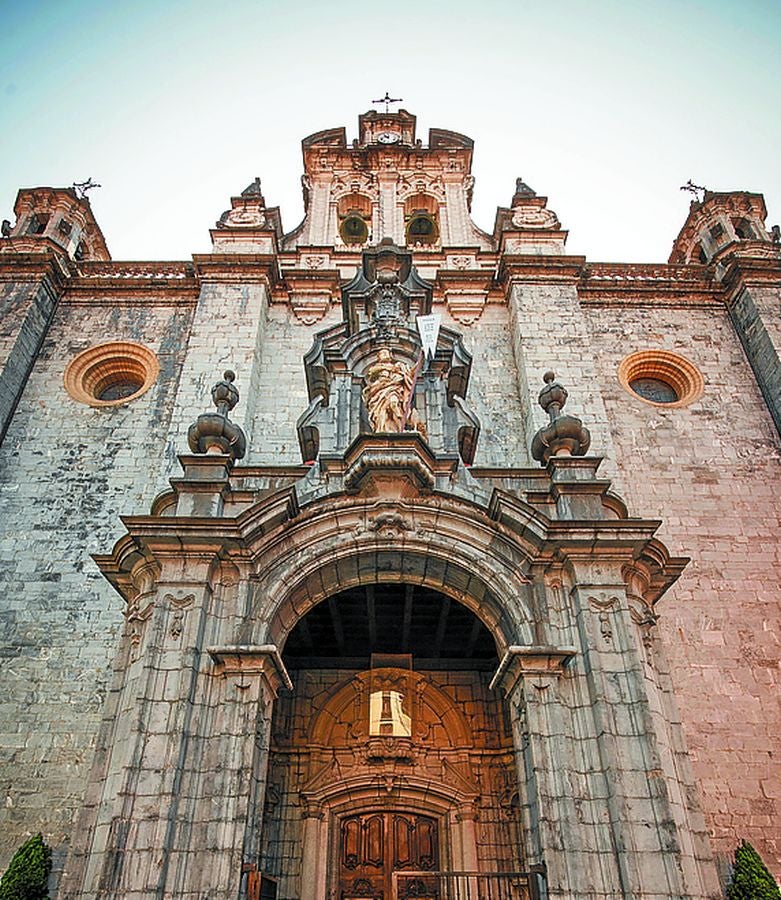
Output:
x=661 y=378
x=111 y=374
x=354 y=230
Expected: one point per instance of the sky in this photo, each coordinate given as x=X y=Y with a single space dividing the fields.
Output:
x=604 y=107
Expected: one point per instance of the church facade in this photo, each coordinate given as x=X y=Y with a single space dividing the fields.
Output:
x=388 y=557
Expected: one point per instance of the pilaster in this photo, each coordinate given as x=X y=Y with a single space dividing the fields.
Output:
x=753 y=279
x=227 y=331
x=549 y=331
x=31 y=284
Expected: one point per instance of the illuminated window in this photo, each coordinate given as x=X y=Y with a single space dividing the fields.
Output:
x=387 y=717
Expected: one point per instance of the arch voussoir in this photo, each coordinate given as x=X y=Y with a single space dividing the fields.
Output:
x=450 y=546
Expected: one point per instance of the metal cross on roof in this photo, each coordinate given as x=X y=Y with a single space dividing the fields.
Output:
x=82 y=188
x=695 y=189
x=387 y=100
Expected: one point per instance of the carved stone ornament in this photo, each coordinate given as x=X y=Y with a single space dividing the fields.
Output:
x=247 y=211
x=565 y=435
x=604 y=610
x=389 y=524
x=249 y=216
x=214 y=432
x=466 y=307
x=136 y=617
x=310 y=306
x=535 y=217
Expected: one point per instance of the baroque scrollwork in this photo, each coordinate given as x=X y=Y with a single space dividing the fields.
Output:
x=535 y=217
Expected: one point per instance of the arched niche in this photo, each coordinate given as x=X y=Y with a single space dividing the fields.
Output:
x=435 y=718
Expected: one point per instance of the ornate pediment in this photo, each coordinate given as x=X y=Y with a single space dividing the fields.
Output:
x=369 y=375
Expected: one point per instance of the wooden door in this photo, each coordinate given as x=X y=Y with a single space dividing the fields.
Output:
x=373 y=845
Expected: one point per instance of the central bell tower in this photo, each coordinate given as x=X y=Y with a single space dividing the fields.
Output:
x=387 y=183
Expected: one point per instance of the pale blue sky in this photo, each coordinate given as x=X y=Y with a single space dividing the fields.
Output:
x=606 y=107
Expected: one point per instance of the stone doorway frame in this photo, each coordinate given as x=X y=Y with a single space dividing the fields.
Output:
x=569 y=601
x=454 y=811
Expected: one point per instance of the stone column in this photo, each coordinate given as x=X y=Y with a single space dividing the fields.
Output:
x=561 y=790
x=315 y=854
x=224 y=821
x=649 y=838
x=147 y=737
x=391 y=217
x=466 y=825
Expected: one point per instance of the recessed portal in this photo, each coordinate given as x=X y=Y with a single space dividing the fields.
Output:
x=383 y=751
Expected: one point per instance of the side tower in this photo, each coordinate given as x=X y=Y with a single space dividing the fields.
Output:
x=727 y=230
x=54 y=228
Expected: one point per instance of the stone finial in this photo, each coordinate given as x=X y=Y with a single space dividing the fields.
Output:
x=565 y=435
x=253 y=190
x=214 y=432
x=522 y=191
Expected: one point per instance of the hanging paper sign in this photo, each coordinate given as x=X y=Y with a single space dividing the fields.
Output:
x=428 y=328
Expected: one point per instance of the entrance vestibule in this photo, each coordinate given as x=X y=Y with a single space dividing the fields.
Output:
x=390 y=753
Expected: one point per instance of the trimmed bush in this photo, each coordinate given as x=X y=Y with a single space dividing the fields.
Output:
x=750 y=877
x=28 y=872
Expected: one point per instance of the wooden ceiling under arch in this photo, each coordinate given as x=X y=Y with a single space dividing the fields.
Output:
x=344 y=630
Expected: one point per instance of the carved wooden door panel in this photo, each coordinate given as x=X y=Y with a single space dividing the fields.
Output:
x=373 y=845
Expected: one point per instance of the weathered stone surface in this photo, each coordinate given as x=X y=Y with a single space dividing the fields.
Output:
x=637 y=727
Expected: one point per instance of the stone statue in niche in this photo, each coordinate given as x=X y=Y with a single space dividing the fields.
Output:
x=388 y=395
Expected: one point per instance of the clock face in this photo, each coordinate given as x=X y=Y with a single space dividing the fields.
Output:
x=388 y=137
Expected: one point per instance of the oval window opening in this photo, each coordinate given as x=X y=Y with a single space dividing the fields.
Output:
x=654 y=389
x=120 y=389
x=111 y=374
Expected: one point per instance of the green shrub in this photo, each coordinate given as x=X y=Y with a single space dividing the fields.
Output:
x=750 y=877
x=27 y=873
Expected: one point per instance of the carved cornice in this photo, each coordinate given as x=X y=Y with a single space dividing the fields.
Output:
x=749 y=270
x=655 y=283
x=532 y=269
x=92 y=281
x=250 y=659
x=530 y=662
x=45 y=262
x=237 y=267
x=400 y=464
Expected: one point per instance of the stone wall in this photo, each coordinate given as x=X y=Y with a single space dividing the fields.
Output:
x=68 y=472
x=282 y=397
x=710 y=471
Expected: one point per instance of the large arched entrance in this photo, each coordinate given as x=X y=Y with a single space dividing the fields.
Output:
x=391 y=753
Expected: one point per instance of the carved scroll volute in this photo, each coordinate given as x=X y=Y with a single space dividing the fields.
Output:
x=638 y=581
